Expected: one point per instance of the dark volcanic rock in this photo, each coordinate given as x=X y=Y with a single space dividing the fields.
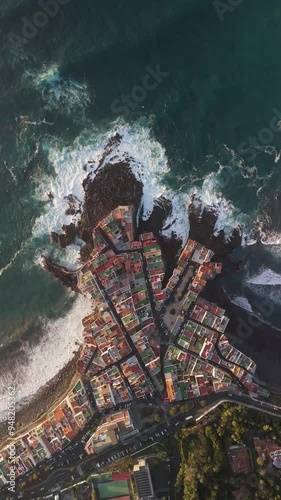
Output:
x=202 y=230
x=58 y=239
x=67 y=237
x=74 y=205
x=113 y=185
x=66 y=277
x=250 y=334
x=85 y=252
x=161 y=210
x=112 y=143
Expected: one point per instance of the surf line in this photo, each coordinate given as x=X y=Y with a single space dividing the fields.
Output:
x=9 y=265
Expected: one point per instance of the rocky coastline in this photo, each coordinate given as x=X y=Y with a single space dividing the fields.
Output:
x=251 y=334
x=65 y=276
x=113 y=185
x=39 y=405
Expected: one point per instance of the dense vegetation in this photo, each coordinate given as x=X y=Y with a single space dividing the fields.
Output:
x=205 y=473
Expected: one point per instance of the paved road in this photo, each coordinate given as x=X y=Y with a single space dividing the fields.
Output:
x=94 y=463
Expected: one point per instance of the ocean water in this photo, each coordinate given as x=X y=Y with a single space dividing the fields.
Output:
x=207 y=124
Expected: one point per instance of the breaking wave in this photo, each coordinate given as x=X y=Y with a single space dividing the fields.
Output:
x=243 y=303
x=266 y=285
x=211 y=196
x=37 y=365
x=265 y=277
x=10 y=264
x=148 y=161
x=60 y=94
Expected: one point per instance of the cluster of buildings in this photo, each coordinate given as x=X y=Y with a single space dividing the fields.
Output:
x=198 y=327
x=138 y=380
x=198 y=339
x=110 y=389
x=234 y=356
x=58 y=430
x=209 y=315
x=187 y=282
x=241 y=460
x=121 y=342
x=118 y=226
x=268 y=451
x=242 y=367
x=154 y=263
x=113 y=429
x=188 y=376
x=224 y=354
x=193 y=256
x=104 y=342
x=123 y=279
x=127 y=275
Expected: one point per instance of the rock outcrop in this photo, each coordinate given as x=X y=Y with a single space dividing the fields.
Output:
x=65 y=276
x=67 y=237
x=115 y=184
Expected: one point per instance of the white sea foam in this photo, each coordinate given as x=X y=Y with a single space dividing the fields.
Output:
x=265 y=277
x=63 y=95
x=242 y=302
x=149 y=163
x=38 y=365
x=248 y=240
x=147 y=160
x=266 y=293
x=265 y=284
x=14 y=257
x=68 y=163
x=177 y=223
x=270 y=238
x=69 y=257
x=210 y=196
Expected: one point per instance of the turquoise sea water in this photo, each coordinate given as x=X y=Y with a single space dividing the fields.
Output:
x=58 y=89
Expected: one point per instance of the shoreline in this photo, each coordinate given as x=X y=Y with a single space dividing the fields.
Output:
x=252 y=335
x=36 y=410
x=101 y=196
x=43 y=401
